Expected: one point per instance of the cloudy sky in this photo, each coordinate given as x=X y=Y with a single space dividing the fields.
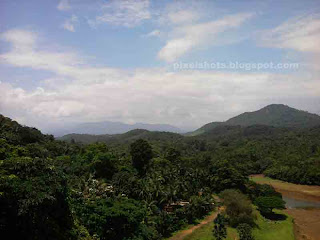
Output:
x=70 y=61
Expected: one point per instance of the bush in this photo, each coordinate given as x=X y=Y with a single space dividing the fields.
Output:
x=238 y=208
x=219 y=231
x=245 y=231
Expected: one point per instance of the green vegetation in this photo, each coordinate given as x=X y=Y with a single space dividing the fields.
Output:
x=265 y=230
x=147 y=185
x=52 y=189
x=288 y=154
x=220 y=229
x=267 y=204
x=238 y=208
x=245 y=231
x=205 y=233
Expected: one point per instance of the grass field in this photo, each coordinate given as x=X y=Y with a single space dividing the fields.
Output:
x=266 y=230
x=205 y=233
x=273 y=230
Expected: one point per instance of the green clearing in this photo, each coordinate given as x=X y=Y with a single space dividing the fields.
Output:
x=266 y=230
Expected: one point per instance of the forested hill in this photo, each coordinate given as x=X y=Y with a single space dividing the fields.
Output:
x=15 y=133
x=277 y=115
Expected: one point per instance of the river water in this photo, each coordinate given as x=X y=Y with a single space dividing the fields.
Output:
x=295 y=203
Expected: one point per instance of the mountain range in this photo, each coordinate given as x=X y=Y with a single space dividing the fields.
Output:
x=272 y=119
x=108 y=127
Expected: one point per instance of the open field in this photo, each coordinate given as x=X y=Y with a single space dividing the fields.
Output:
x=205 y=233
x=297 y=191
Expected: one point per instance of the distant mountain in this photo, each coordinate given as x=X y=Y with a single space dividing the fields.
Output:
x=276 y=115
x=124 y=137
x=108 y=127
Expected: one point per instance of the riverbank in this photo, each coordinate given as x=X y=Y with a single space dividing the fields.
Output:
x=306 y=220
x=307 y=223
x=296 y=191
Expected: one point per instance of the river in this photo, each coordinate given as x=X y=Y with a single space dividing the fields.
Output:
x=297 y=203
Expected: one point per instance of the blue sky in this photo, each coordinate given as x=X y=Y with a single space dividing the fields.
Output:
x=83 y=61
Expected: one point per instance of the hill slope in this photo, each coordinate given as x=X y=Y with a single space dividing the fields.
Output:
x=276 y=115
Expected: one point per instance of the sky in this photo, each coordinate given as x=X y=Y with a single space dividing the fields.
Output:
x=184 y=63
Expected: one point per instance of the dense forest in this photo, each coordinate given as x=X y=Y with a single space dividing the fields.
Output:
x=142 y=184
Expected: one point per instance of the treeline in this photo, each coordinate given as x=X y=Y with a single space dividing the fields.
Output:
x=289 y=154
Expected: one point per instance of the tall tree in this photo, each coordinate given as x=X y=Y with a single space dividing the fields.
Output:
x=141 y=154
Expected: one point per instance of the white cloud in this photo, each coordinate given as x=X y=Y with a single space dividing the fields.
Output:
x=69 y=23
x=189 y=36
x=79 y=92
x=64 y=5
x=127 y=13
x=68 y=64
x=300 y=34
x=21 y=40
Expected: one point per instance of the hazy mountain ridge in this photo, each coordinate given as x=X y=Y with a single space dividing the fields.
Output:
x=108 y=127
x=276 y=115
x=124 y=137
x=271 y=120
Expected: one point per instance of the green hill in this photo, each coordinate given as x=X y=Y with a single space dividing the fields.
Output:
x=276 y=115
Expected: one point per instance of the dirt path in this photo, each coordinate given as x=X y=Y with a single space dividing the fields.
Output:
x=181 y=235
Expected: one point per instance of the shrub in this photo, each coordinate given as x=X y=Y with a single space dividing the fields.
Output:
x=238 y=208
x=219 y=231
